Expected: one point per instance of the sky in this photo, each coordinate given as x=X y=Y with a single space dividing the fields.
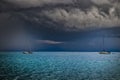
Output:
x=59 y=25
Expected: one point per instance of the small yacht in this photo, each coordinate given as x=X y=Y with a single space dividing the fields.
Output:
x=103 y=45
x=27 y=52
x=104 y=52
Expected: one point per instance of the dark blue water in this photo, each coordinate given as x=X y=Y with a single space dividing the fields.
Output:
x=59 y=66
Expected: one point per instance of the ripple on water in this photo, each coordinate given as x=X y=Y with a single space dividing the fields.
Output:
x=59 y=66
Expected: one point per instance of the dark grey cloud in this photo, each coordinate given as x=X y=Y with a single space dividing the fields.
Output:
x=92 y=18
x=48 y=42
x=58 y=23
x=36 y=3
x=67 y=15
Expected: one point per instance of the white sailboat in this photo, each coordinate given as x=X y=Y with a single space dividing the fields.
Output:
x=103 y=47
x=28 y=51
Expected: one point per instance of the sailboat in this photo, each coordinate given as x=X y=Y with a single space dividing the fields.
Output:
x=103 y=45
x=29 y=50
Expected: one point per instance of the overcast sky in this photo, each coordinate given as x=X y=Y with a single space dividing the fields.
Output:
x=56 y=22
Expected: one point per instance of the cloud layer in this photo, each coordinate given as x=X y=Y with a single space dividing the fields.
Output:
x=48 y=42
x=71 y=14
x=92 y=18
x=57 y=22
x=36 y=3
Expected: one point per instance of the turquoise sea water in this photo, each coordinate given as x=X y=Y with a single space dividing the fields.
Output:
x=59 y=66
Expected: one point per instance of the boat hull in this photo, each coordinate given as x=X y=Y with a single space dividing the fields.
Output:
x=27 y=52
x=104 y=52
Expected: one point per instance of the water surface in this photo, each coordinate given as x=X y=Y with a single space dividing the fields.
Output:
x=59 y=66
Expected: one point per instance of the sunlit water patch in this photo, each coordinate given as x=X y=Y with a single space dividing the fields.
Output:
x=59 y=66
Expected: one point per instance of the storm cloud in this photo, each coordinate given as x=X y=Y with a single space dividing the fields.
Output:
x=71 y=14
x=36 y=3
x=92 y=18
x=57 y=21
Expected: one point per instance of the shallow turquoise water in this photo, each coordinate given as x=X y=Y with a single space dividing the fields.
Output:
x=59 y=66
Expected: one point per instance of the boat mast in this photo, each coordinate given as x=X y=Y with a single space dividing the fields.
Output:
x=28 y=46
x=103 y=42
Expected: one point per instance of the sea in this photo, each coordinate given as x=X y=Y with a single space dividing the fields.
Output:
x=59 y=66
